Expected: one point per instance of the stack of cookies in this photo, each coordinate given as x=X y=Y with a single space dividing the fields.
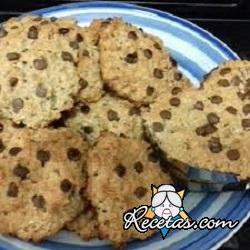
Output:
x=69 y=120
x=82 y=111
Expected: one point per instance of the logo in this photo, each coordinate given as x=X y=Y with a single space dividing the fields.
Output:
x=167 y=212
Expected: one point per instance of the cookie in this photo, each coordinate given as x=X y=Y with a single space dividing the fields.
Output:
x=63 y=36
x=141 y=69
x=121 y=172
x=206 y=128
x=42 y=174
x=36 y=86
x=108 y=114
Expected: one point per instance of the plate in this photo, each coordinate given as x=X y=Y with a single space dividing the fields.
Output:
x=197 y=52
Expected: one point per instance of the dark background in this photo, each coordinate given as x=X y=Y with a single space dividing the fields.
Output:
x=229 y=20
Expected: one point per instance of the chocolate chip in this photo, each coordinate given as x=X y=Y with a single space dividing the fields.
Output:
x=236 y=81
x=120 y=170
x=40 y=64
x=74 y=45
x=213 y=118
x=105 y=23
x=38 y=201
x=205 y=130
x=15 y=151
x=148 y=53
x=178 y=76
x=85 y=53
x=231 y=110
x=12 y=56
x=132 y=35
x=1 y=127
x=63 y=31
x=173 y=62
x=41 y=91
x=66 y=56
x=199 y=105
x=74 y=154
x=233 y=154
x=140 y=192
x=79 y=38
x=13 y=81
x=223 y=83
x=152 y=157
x=65 y=185
x=17 y=104
x=12 y=190
x=246 y=109
x=157 y=127
x=215 y=145
x=53 y=19
x=225 y=71
x=165 y=114
x=176 y=90
x=175 y=101
x=138 y=166
x=43 y=156
x=33 y=32
x=84 y=108
x=158 y=73
x=150 y=90
x=2 y=147
x=131 y=58
x=216 y=99
x=88 y=129
x=112 y=115
x=134 y=111
x=83 y=83
x=21 y=171
x=244 y=95
x=18 y=125
x=245 y=123
x=37 y=19
x=241 y=96
x=157 y=46
x=3 y=32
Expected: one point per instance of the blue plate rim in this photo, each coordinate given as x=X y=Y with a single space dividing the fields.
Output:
x=188 y=24
x=201 y=32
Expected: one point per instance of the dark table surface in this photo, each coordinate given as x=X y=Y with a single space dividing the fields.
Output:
x=229 y=20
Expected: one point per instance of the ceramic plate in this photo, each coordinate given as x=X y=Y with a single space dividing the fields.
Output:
x=197 y=52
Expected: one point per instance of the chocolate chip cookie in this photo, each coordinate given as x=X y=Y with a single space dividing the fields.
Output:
x=206 y=128
x=121 y=172
x=134 y=64
x=42 y=174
